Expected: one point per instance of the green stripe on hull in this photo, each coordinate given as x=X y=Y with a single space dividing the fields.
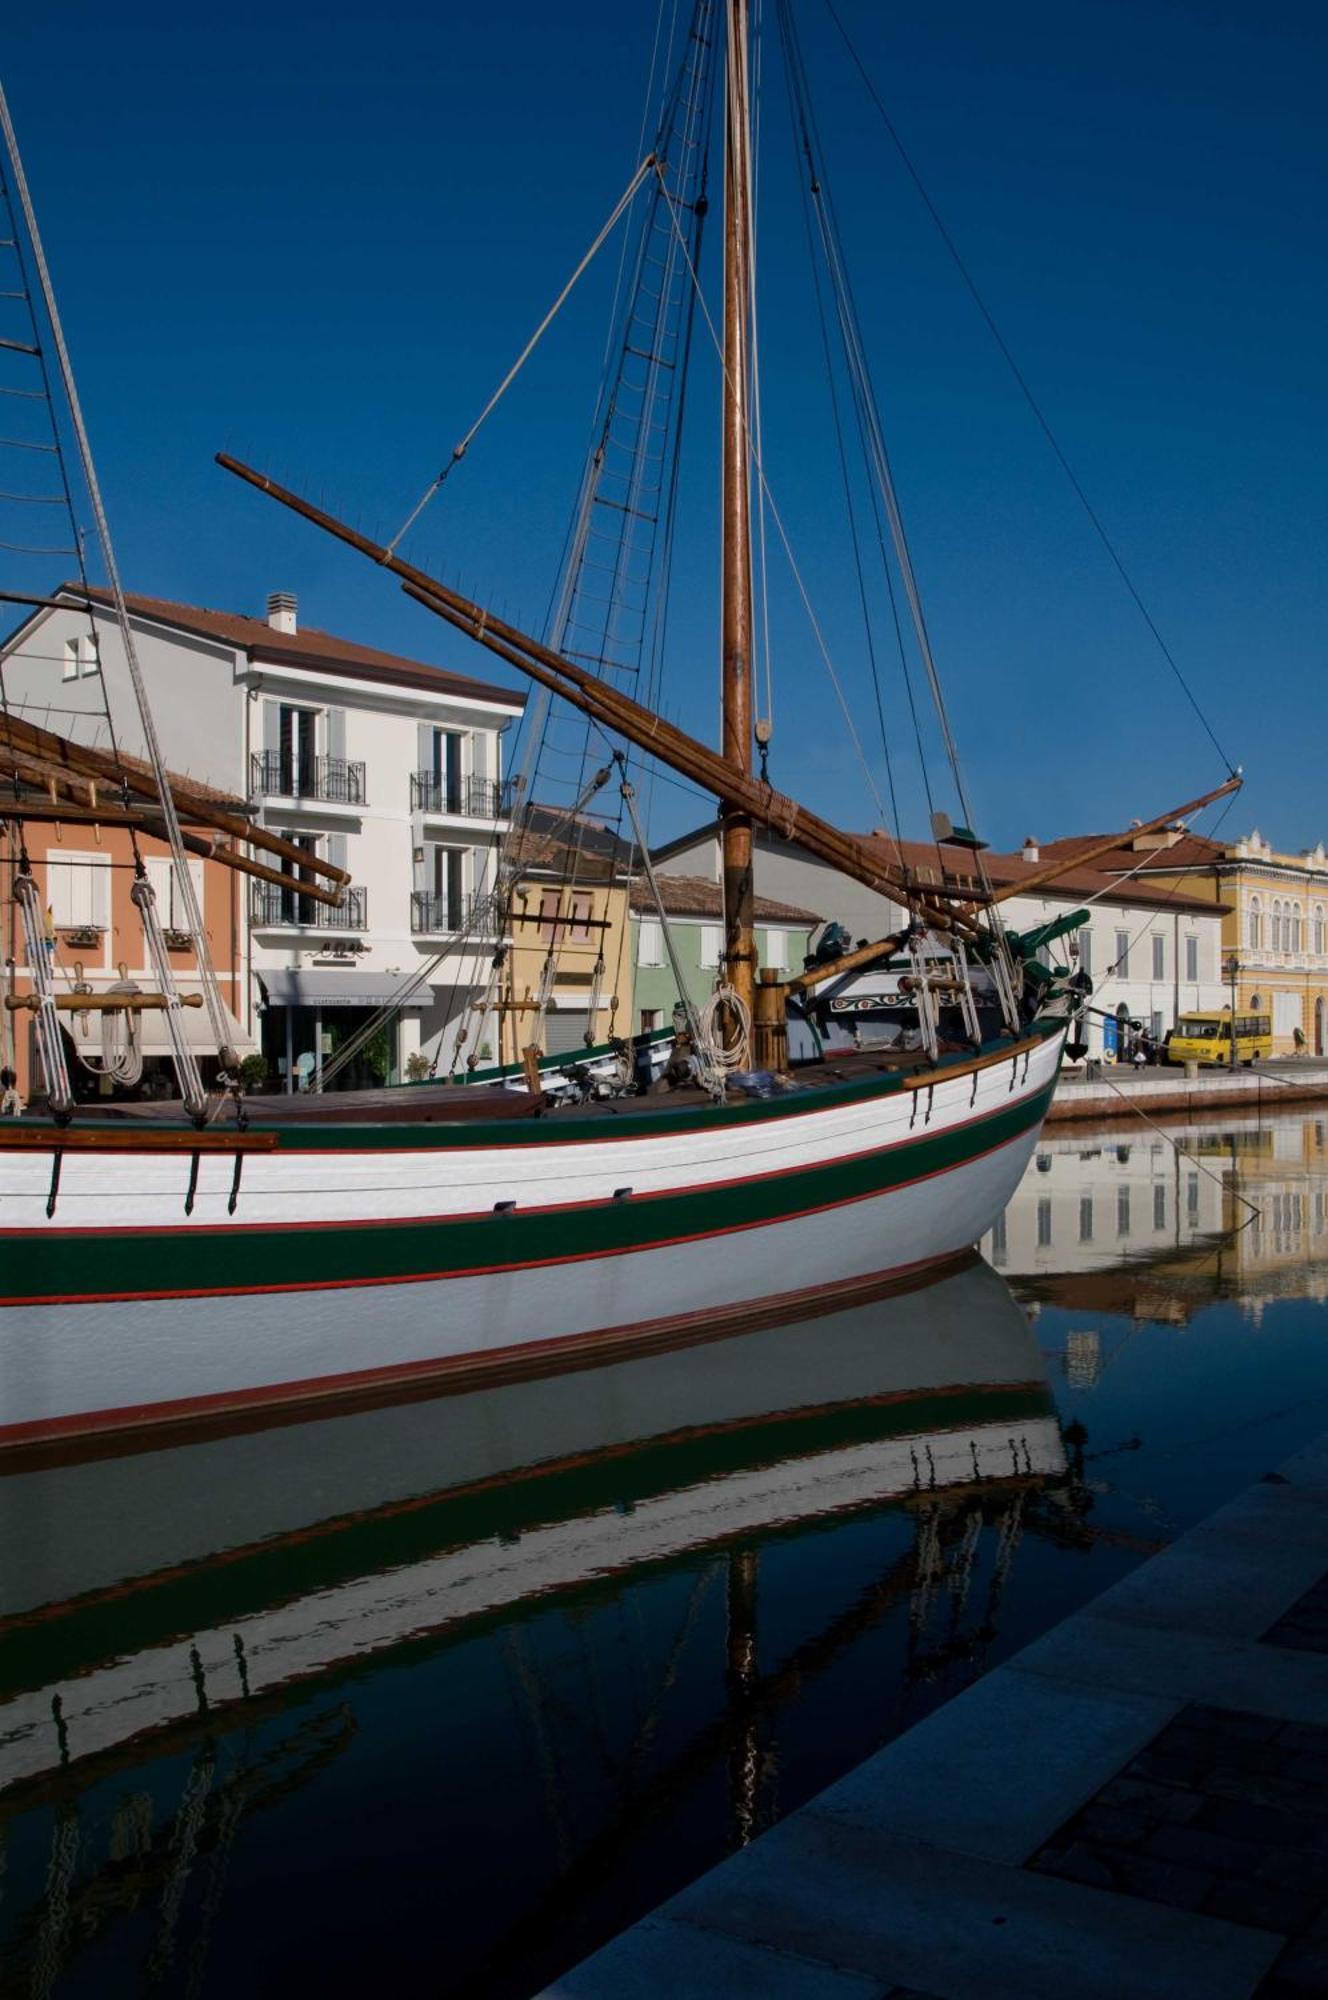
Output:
x=92 y=1263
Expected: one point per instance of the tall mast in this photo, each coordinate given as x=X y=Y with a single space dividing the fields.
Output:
x=736 y=587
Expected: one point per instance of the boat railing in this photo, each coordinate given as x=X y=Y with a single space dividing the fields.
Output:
x=331 y=780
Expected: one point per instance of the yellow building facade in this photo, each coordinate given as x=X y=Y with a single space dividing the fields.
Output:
x=568 y=973
x=1275 y=929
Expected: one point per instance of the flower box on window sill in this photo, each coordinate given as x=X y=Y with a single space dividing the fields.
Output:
x=86 y=935
x=177 y=940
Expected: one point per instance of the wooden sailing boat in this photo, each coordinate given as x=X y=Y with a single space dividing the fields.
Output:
x=160 y=1270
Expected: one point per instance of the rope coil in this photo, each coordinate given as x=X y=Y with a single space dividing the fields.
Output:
x=716 y=1059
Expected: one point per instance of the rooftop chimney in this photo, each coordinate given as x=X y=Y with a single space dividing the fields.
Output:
x=1030 y=849
x=281 y=611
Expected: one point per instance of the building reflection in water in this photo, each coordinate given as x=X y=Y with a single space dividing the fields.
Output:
x=1130 y=1222
x=556 y=1623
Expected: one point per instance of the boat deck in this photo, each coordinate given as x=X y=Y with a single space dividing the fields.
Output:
x=434 y=1104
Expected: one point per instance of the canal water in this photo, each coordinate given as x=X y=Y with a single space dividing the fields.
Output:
x=438 y=1697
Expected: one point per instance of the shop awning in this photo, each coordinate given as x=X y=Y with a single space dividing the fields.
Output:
x=153 y=1038
x=325 y=989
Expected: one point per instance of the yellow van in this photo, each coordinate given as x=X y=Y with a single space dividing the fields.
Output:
x=1206 y=1038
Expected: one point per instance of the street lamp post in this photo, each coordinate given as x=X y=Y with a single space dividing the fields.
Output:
x=1232 y=970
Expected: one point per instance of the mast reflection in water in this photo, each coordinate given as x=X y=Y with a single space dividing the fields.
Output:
x=440 y=1696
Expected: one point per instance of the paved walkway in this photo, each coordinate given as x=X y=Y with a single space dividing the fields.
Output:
x=1273 y=1086
x=1135 y=1806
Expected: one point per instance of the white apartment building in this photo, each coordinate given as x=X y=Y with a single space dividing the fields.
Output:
x=1152 y=951
x=388 y=767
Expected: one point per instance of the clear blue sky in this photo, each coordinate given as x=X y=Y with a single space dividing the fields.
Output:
x=316 y=235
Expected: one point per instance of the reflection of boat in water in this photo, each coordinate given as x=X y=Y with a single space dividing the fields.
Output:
x=333 y=1540
x=196 y=1635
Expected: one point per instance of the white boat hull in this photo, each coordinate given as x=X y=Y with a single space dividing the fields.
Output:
x=794 y=1208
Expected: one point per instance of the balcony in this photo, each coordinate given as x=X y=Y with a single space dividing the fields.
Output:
x=463 y=798
x=279 y=909
x=323 y=780
x=444 y=916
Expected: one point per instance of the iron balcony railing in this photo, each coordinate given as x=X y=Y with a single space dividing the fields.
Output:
x=285 y=909
x=434 y=916
x=334 y=780
x=467 y=798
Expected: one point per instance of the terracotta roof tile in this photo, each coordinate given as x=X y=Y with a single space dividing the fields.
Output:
x=1098 y=878
x=699 y=896
x=307 y=648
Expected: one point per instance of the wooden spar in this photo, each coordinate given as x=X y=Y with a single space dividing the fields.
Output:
x=672 y=746
x=641 y=726
x=736 y=561
x=74 y=602
x=29 y=768
x=54 y=812
x=100 y=1003
x=1053 y=869
x=866 y=954
x=630 y=719
x=83 y=760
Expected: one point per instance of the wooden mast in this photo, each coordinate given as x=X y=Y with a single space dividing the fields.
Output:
x=736 y=587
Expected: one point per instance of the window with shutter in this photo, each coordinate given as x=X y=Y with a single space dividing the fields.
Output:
x=548 y=915
x=165 y=887
x=649 y=942
x=78 y=890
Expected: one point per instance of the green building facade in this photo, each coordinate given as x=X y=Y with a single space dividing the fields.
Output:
x=694 y=909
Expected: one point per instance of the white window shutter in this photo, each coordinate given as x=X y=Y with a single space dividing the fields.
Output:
x=158 y=868
x=78 y=890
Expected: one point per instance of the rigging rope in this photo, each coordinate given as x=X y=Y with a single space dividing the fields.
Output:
x=191 y=1085
x=837 y=426
x=459 y=450
x=50 y=1041
x=785 y=543
x=1025 y=390
x=870 y=421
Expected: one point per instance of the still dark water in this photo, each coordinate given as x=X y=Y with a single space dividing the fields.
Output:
x=439 y=1697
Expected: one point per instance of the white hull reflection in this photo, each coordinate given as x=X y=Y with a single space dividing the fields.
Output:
x=940 y=1392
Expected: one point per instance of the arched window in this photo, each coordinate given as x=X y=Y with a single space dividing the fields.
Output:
x=1277 y=925
x=1256 y=924
x=1297 y=929
x=1318 y=929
